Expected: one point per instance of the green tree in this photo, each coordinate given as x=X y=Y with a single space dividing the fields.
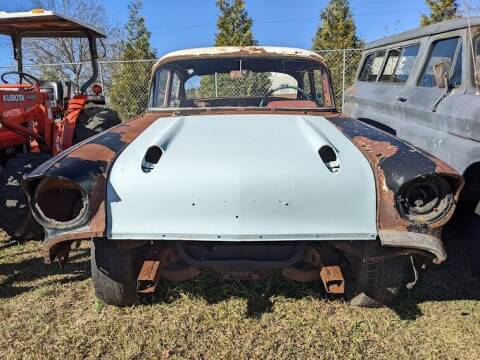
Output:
x=234 y=28
x=130 y=80
x=337 y=30
x=440 y=10
x=234 y=25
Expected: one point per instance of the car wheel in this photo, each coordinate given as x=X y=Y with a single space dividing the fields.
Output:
x=375 y=281
x=93 y=121
x=113 y=273
x=16 y=219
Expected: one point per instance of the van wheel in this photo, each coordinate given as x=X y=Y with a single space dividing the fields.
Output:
x=16 y=219
x=113 y=273
x=93 y=121
x=375 y=282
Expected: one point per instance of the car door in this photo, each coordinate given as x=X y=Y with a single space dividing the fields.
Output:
x=427 y=110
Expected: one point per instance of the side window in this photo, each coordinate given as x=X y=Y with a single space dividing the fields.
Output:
x=442 y=51
x=175 y=93
x=390 y=66
x=456 y=78
x=319 y=86
x=159 y=88
x=372 y=66
x=306 y=83
x=399 y=64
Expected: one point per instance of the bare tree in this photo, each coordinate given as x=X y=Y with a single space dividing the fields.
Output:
x=72 y=53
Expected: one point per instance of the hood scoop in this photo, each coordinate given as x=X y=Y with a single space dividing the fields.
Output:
x=329 y=158
x=151 y=158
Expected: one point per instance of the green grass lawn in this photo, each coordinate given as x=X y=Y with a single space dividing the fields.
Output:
x=48 y=312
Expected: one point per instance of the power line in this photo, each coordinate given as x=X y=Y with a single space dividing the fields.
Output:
x=256 y=22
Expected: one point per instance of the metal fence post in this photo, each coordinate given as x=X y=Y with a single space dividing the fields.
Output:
x=100 y=72
x=344 y=72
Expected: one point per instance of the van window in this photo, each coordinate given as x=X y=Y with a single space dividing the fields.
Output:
x=372 y=66
x=391 y=65
x=399 y=64
x=456 y=78
x=442 y=51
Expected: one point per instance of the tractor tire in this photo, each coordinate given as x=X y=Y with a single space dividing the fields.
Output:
x=93 y=121
x=16 y=219
x=376 y=282
x=113 y=273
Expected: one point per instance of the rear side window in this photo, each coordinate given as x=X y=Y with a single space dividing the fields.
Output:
x=158 y=90
x=372 y=66
x=399 y=64
x=449 y=52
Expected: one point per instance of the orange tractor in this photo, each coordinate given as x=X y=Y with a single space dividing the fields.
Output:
x=39 y=118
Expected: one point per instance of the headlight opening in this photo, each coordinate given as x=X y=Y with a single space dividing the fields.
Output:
x=59 y=202
x=426 y=200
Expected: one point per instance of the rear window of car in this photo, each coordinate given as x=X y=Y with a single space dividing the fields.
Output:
x=399 y=64
x=449 y=52
x=372 y=66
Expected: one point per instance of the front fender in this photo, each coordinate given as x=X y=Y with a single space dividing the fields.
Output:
x=396 y=163
x=86 y=165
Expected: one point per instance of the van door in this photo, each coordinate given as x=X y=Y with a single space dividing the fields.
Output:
x=382 y=78
x=431 y=113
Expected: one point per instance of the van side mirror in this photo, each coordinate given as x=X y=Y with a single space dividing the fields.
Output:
x=441 y=75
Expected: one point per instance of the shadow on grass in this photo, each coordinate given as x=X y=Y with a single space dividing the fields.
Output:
x=452 y=280
x=20 y=276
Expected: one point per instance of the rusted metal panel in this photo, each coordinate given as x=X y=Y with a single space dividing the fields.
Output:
x=332 y=279
x=148 y=277
x=396 y=163
x=87 y=165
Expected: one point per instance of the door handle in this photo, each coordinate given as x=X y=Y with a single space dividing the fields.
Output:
x=401 y=99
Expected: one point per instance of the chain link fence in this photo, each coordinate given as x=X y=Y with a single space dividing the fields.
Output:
x=125 y=83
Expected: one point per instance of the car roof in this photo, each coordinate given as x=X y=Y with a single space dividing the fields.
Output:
x=244 y=51
x=42 y=23
x=438 y=28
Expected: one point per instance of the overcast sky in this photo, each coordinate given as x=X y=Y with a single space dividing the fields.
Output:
x=191 y=23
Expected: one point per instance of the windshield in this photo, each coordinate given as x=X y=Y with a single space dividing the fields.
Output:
x=241 y=82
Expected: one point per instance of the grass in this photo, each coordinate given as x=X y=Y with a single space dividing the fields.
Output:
x=48 y=312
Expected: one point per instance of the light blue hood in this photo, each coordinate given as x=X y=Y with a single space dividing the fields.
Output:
x=241 y=177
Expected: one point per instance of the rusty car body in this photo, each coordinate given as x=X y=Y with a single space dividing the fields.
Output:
x=221 y=174
x=423 y=86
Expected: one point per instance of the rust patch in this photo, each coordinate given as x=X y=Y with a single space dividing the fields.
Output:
x=377 y=150
x=93 y=152
x=387 y=214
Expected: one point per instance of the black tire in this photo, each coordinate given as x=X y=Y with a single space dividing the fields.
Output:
x=16 y=219
x=93 y=121
x=375 y=282
x=473 y=233
x=113 y=273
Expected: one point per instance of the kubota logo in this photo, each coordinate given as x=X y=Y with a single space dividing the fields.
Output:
x=13 y=98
